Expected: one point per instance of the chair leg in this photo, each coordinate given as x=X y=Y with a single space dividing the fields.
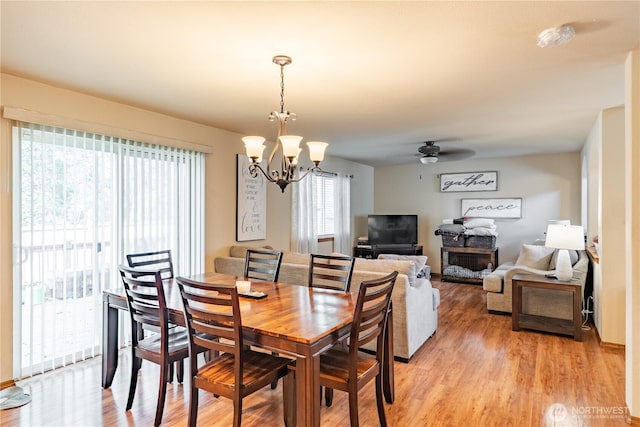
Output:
x=379 y=402
x=237 y=412
x=170 y=376
x=353 y=408
x=328 y=396
x=135 y=367
x=162 y=392
x=193 y=405
x=180 y=366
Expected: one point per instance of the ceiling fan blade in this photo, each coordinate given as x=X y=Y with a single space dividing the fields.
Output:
x=456 y=154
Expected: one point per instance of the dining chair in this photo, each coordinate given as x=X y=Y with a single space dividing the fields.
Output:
x=331 y=271
x=262 y=264
x=212 y=315
x=148 y=306
x=156 y=260
x=348 y=369
x=160 y=261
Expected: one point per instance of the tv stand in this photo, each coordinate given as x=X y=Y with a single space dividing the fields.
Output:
x=375 y=250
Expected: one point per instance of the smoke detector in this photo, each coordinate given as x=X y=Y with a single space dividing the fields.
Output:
x=556 y=36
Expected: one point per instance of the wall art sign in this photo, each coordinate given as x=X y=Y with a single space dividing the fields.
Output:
x=468 y=181
x=492 y=208
x=251 y=203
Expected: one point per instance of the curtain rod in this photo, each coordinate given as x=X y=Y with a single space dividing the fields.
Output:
x=326 y=173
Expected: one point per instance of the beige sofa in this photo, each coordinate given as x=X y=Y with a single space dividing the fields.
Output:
x=415 y=302
x=536 y=260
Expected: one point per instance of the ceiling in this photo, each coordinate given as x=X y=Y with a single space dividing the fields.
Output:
x=374 y=79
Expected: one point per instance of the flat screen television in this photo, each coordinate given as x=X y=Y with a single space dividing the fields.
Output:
x=393 y=230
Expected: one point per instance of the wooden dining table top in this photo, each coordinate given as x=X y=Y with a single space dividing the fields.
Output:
x=296 y=313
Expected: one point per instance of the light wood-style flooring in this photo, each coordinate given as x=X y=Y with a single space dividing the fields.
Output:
x=474 y=372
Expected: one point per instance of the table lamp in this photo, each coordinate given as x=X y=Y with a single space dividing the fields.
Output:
x=564 y=237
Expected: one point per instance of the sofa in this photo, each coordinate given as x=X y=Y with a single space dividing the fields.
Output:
x=415 y=302
x=534 y=259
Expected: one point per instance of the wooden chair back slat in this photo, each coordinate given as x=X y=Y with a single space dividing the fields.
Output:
x=262 y=264
x=157 y=260
x=212 y=312
x=331 y=271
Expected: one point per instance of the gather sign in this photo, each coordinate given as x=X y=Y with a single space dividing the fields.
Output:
x=492 y=208
x=469 y=181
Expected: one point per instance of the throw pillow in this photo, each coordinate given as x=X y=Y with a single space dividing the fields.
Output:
x=479 y=222
x=419 y=261
x=573 y=257
x=240 y=251
x=535 y=256
x=387 y=266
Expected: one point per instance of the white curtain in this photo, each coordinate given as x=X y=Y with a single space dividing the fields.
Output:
x=304 y=234
x=82 y=202
x=342 y=242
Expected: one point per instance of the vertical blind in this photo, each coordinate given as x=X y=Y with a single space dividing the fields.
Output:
x=82 y=202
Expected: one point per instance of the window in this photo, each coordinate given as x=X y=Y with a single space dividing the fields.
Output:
x=81 y=203
x=323 y=188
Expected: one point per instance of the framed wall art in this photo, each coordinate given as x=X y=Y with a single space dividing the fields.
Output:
x=492 y=208
x=251 y=203
x=469 y=181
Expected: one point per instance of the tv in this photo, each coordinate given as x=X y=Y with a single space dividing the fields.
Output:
x=392 y=230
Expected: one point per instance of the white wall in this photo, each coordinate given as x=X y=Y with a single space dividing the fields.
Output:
x=548 y=185
x=632 y=232
x=604 y=153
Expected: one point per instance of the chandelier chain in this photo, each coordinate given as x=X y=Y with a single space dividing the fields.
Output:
x=282 y=88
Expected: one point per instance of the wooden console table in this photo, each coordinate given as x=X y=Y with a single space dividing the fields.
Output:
x=474 y=259
x=541 y=323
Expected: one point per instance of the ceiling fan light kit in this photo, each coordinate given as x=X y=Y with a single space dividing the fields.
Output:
x=556 y=36
x=428 y=159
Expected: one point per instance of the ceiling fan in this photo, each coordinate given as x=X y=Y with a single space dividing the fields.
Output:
x=431 y=153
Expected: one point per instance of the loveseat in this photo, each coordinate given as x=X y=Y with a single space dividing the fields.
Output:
x=415 y=302
x=536 y=260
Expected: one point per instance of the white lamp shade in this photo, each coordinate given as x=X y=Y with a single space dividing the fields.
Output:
x=290 y=145
x=316 y=150
x=254 y=146
x=562 y=236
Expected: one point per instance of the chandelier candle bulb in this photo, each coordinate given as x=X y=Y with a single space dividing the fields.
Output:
x=254 y=146
x=316 y=151
x=290 y=145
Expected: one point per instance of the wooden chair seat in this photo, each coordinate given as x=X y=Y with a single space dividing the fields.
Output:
x=178 y=345
x=258 y=370
x=335 y=368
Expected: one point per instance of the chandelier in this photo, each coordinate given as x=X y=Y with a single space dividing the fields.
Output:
x=288 y=145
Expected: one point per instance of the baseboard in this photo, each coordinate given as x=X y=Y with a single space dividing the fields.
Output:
x=614 y=346
x=7 y=384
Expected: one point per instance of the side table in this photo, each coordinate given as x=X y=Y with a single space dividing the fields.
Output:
x=541 y=323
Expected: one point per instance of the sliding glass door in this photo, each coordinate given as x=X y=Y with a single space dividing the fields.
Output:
x=81 y=202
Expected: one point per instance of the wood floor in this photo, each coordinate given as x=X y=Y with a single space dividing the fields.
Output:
x=474 y=372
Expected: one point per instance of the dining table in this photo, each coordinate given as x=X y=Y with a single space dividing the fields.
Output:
x=298 y=321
